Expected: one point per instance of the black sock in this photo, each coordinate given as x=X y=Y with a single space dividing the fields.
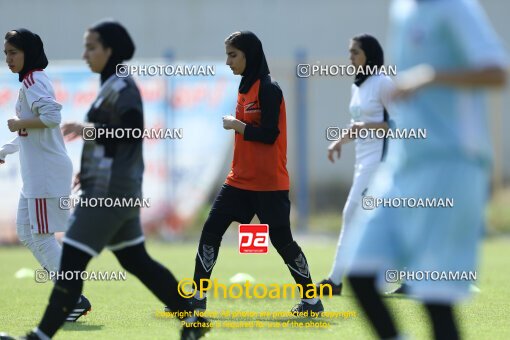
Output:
x=207 y=255
x=443 y=321
x=65 y=293
x=295 y=259
x=365 y=290
x=158 y=279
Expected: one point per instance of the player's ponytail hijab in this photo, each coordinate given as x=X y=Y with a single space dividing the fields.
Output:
x=32 y=47
x=116 y=37
x=256 y=64
x=373 y=52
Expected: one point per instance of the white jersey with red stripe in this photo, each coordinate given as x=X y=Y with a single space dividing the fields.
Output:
x=46 y=169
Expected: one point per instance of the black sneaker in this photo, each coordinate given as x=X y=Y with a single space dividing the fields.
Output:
x=327 y=286
x=81 y=308
x=194 y=304
x=197 y=304
x=195 y=328
x=304 y=309
x=29 y=336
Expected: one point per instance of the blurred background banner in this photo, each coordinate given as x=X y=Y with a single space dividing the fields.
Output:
x=179 y=172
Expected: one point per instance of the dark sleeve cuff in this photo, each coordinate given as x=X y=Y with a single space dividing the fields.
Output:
x=258 y=134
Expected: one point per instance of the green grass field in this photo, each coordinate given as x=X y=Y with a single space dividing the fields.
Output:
x=127 y=310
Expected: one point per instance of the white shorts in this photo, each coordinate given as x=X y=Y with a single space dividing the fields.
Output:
x=44 y=215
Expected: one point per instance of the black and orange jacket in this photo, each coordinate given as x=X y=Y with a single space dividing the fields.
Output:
x=260 y=156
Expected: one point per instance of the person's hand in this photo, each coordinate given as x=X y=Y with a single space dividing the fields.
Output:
x=72 y=130
x=228 y=122
x=13 y=124
x=76 y=182
x=2 y=161
x=335 y=147
x=410 y=81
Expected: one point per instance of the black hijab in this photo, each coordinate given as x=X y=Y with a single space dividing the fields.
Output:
x=373 y=52
x=32 y=47
x=116 y=37
x=256 y=64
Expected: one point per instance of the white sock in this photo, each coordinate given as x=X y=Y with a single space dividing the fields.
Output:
x=190 y=319
x=200 y=295
x=25 y=237
x=48 y=246
x=311 y=301
x=399 y=337
x=40 y=334
x=340 y=262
